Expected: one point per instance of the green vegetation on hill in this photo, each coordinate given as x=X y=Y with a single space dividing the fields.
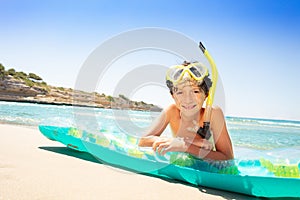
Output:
x=124 y=97
x=30 y=79
x=2 y=71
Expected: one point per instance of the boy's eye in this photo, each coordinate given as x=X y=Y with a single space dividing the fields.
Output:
x=197 y=91
x=179 y=92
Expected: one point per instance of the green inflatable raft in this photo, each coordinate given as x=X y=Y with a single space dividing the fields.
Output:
x=259 y=178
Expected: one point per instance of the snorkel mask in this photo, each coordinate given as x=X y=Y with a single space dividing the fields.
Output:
x=197 y=71
x=188 y=72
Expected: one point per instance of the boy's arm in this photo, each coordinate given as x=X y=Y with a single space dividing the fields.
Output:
x=156 y=129
x=220 y=133
x=147 y=141
x=207 y=154
x=202 y=148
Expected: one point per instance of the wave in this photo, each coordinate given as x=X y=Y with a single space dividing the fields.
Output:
x=254 y=122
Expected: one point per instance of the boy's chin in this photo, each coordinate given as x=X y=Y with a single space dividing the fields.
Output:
x=190 y=111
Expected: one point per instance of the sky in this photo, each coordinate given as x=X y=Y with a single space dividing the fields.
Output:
x=255 y=45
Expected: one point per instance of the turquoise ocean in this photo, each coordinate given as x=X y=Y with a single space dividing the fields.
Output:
x=252 y=138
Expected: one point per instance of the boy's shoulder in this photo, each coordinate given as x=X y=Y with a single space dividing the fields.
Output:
x=217 y=109
x=172 y=109
x=217 y=113
x=172 y=113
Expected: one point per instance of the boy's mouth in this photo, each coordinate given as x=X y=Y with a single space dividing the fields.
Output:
x=189 y=107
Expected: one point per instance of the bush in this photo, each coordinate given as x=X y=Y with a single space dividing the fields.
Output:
x=123 y=97
x=2 y=71
x=61 y=88
x=2 y=68
x=34 y=77
x=20 y=75
x=29 y=82
x=110 y=98
x=11 y=72
x=41 y=84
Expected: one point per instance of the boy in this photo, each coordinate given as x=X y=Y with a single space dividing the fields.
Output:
x=189 y=86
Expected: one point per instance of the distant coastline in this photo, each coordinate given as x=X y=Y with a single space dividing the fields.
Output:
x=22 y=87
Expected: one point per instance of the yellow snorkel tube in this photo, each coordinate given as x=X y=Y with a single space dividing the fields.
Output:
x=204 y=131
x=214 y=74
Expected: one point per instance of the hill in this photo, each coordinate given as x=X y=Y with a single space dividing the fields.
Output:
x=23 y=87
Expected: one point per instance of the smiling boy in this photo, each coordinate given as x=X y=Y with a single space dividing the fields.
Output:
x=189 y=86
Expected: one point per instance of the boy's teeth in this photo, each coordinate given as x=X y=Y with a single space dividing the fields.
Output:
x=189 y=107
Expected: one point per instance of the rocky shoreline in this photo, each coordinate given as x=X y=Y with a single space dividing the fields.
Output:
x=18 y=90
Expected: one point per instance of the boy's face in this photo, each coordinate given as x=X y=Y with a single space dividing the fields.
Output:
x=188 y=97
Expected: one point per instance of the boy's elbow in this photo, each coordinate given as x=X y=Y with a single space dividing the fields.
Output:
x=142 y=142
x=229 y=156
x=146 y=141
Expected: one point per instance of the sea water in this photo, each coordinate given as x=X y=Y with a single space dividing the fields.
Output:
x=252 y=138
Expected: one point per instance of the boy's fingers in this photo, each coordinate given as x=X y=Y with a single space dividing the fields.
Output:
x=165 y=150
x=161 y=148
x=155 y=145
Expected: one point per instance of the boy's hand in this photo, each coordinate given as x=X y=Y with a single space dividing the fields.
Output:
x=202 y=143
x=164 y=145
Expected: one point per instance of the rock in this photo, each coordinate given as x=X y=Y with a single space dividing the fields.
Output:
x=12 y=89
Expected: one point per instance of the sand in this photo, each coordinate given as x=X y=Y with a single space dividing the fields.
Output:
x=33 y=167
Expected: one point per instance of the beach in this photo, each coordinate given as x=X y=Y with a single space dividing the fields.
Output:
x=33 y=167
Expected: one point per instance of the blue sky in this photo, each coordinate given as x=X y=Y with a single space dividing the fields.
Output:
x=255 y=43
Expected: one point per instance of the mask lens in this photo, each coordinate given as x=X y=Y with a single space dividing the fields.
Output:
x=175 y=74
x=196 y=72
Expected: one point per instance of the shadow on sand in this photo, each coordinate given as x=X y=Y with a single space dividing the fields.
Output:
x=72 y=153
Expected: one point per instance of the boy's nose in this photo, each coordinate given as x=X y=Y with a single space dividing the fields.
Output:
x=189 y=97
